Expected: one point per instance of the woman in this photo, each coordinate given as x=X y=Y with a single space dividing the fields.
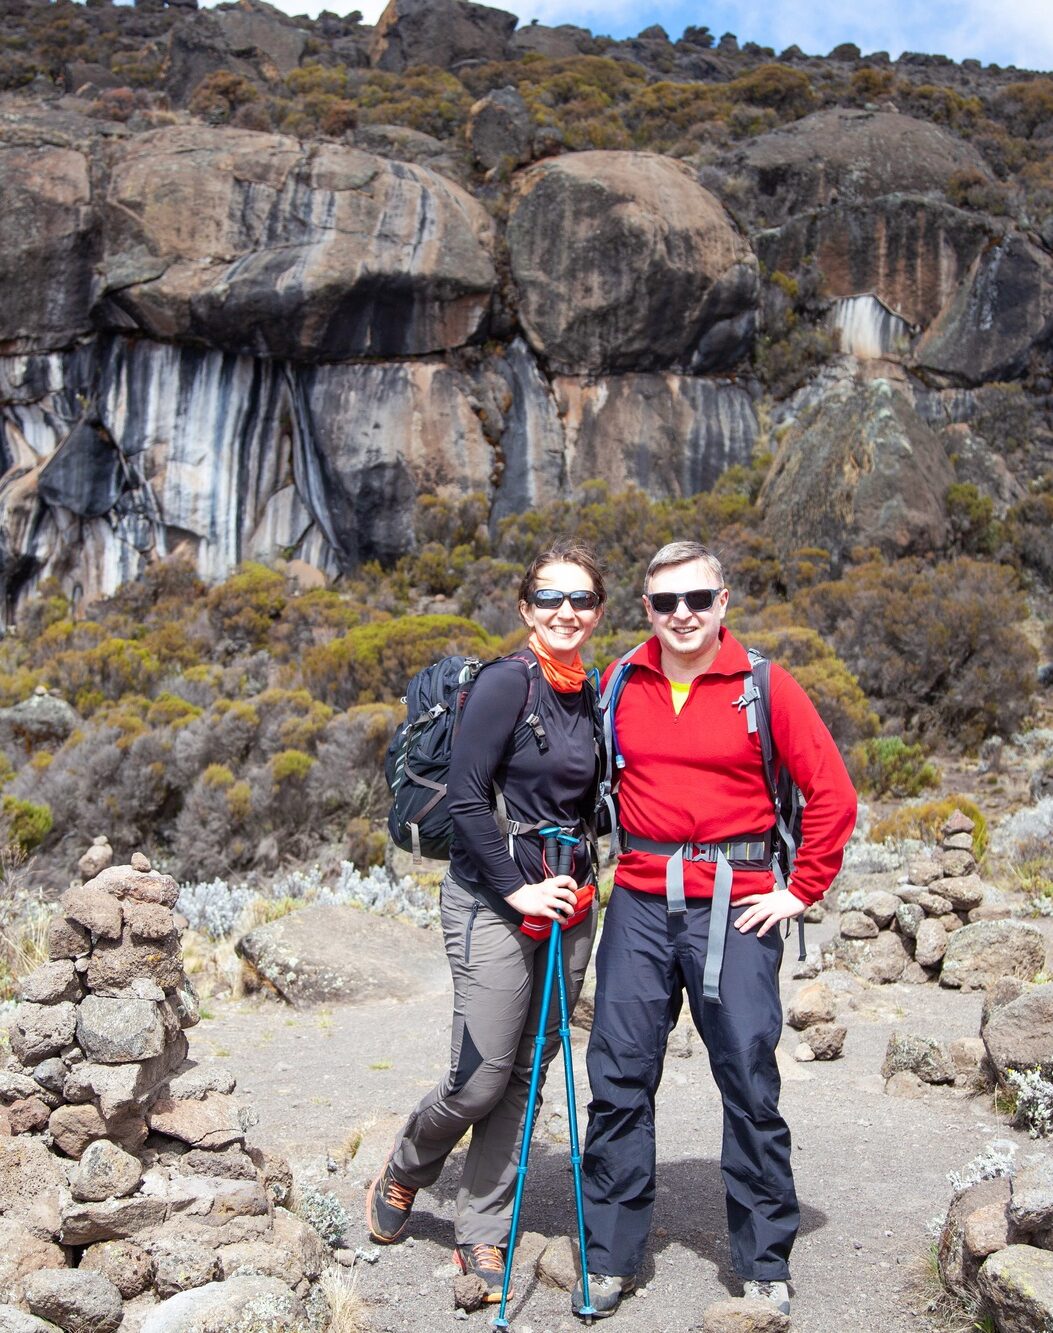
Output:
x=496 y=884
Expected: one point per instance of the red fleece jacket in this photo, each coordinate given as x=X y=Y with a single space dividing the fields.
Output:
x=697 y=776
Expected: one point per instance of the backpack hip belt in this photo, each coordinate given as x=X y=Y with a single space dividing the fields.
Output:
x=749 y=853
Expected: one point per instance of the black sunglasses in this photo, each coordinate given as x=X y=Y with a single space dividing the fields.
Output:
x=550 y=599
x=698 y=599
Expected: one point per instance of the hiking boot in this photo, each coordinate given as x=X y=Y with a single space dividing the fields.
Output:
x=486 y=1262
x=776 y=1292
x=605 y=1292
x=388 y=1206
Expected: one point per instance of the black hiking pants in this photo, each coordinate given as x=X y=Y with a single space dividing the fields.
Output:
x=645 y=961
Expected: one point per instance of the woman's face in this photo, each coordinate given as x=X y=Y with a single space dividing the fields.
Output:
x=562 y=629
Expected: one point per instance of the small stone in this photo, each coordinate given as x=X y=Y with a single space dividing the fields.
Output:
x=211 y=1122
x=967 y=1055
x=469 y=1292
x=50 y=1074
x=934 y=904
x=958 y=842
x=928 y=1059
x=113 y=1219
x=905 y=1084
x=858 y=926
x=986 y=1231
x=963 y=893
x=79 y=1302
x=42 y=1030
x=827 y=1040
x=148 y=921
x=957 y=863
x=96 y=911
x=28 y=1116
x=98 y=856
x=104 y=1172
x=803 y=1053
x=930 y=943
x=67 y=939
x=50 y=983
x=881 y=906
x=957 y=823
x=127 y=1265
x=909 y=917
x=140 y=862
x=914 y=974
x=812 y=1004
x=737 y=1315
x=112 y=1030
x=923 y=869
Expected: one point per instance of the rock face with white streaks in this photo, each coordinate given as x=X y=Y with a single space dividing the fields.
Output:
x=256 y=244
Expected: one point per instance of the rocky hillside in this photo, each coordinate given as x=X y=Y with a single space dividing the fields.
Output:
x=269 y=282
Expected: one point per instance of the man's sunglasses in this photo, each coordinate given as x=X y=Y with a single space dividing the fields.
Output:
x=698 y=599
x=550 y=599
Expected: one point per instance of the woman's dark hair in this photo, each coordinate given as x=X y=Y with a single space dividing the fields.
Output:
x=567 y=550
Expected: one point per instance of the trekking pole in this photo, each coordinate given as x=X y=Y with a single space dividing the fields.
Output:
x=549 y=836
x=587 y=1311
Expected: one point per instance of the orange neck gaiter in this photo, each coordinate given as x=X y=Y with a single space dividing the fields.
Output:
x=566 y=679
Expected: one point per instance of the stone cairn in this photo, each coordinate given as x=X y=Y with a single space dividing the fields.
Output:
x=995 y=1248
x=942 y=925
x=128 y=1196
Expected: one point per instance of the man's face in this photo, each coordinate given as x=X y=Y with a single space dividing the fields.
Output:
x=691 y=637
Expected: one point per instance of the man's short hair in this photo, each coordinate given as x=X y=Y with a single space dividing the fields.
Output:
x=681 y=553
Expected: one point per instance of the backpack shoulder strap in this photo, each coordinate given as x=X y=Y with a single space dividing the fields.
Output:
x=614 y=760
x=756 y=694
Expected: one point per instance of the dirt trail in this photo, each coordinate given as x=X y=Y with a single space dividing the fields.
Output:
x=871 y=1170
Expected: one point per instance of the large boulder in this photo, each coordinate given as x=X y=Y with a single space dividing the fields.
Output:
x=858 y=468
x=1017 y=1285
x=42 y=720
x=623 y=261
x=246 y=1302
x=1019 y=1034
x=999 y=316
x=77 y=1301
x=846 y=156
x=340 y=953
x=256 y=243
x=439 y=32
x=980 y=953
x=47 y=244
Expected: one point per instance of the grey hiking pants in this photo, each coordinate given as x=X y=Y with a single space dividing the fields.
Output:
x=498 y=980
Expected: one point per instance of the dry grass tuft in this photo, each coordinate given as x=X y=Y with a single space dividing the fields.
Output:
x=348 y=1312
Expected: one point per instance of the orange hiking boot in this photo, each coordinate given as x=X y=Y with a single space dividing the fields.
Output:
x=486 y=1262
x=388 y=1207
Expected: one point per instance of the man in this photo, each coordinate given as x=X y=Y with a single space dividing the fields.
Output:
x=695 y=907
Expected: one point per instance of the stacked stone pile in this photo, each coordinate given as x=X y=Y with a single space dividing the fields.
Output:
x=812 y=1012
x=943 y=924
x=128 y=1196
x=996 y=1245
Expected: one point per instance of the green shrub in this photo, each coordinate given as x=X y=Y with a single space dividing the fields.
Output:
x=26 y=823
x=888 y=766
x=219 y=95
x=940 y=647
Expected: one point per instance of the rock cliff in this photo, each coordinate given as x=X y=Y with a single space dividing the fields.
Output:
x=242 y=340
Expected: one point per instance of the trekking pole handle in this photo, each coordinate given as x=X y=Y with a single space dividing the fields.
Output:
x=567 y=845
x=549 y=836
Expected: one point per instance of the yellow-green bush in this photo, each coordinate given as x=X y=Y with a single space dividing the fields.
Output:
x=26 y=824
x=373 y=662
x=245 y=606
x=218 y=776
x=291 y=766
x=925 y=821
x=888 y=766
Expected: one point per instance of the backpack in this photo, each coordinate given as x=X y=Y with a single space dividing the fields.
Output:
x=417 y=764
x=787 y=798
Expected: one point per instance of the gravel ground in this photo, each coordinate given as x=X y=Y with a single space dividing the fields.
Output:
x=332 y=1086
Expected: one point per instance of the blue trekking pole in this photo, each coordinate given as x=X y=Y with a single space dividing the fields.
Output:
x=559 y=854
x=567 y=845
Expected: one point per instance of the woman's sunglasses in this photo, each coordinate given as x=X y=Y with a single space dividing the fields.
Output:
x=698 y=599
x=550 y=599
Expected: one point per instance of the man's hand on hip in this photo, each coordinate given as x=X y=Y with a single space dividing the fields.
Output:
x=764 y=910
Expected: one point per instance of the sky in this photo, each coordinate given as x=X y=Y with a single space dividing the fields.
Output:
x=1003 y=32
